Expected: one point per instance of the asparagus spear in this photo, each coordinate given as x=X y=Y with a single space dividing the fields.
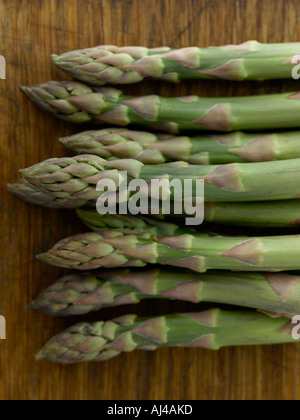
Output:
x=259 y=214
x=78 y=295
x=32 y=195
x=114 y=65
x=211 y=329
x=110 y=249
x=78 y=176
x=76 y=102
x=151 y=149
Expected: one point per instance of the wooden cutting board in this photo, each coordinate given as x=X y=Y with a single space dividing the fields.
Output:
x=30 y=31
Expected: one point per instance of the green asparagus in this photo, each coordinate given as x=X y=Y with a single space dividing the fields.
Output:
x=32 y=195
x=78 y=295
x=198 y=252
x=78 y=176
x=259 y=214
x=211 y=329
x=114 y=65
x=76 y=102
x=151 y=149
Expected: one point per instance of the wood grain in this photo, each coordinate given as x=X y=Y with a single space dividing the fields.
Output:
x=30 y=31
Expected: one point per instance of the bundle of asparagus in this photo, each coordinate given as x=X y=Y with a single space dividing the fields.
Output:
x=250 y=179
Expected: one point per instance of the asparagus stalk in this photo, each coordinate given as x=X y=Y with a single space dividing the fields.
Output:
x=78 y=295
x=114 y=65
x=257 y=214
x=78 y=176
x=110 y=249
x=212 y=330
x=155 y=149
x=32 y=195
x=76 y=102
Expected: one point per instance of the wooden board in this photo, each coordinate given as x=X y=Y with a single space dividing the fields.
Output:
x=30 y=31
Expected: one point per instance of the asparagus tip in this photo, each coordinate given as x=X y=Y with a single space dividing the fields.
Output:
x=42 y=257
x=10 y=187
x=23 y=89
x=24 y=172
x=32 y=305
x=39 y=356
x=63 y=140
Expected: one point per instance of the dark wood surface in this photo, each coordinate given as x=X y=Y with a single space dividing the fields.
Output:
x=30 y=31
